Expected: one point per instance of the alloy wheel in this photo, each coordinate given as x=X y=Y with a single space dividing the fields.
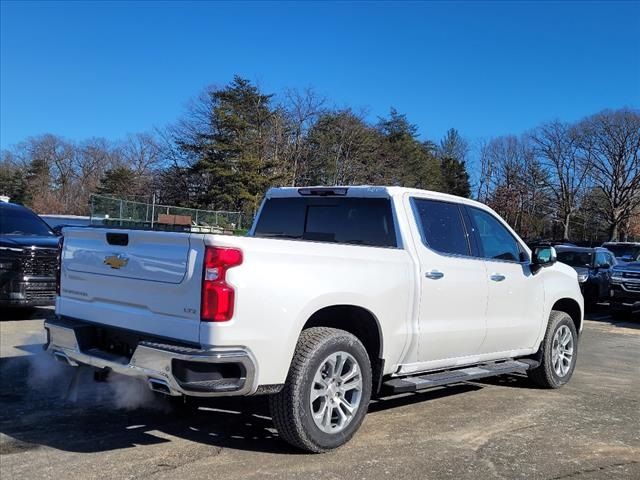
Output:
x=336 y=392
x=562 y=351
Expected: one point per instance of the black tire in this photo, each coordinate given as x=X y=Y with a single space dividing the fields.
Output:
x=291 y=408
x=545 y=374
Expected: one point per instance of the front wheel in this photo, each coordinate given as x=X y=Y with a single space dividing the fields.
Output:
x=327 y=391
x=558 y=354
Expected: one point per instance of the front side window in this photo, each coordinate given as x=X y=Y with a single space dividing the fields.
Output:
x=441 y=226
x=602 y=259
x=496 y=242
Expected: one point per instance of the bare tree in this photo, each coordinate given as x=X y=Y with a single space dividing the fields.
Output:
x=341 y=146
x=141 y=153
x=301 y=109
x=92 y=158
x=49 y=163
x=514 y=183
x=487 y=169
x=557 y=145
x=611 y=140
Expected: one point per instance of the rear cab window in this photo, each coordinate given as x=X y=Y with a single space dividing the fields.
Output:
x=344 y=220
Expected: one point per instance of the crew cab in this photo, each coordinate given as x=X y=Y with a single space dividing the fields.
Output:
x=337 y=294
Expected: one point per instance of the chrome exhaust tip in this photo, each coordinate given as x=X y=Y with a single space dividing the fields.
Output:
x=160 y=386
x=62 y=358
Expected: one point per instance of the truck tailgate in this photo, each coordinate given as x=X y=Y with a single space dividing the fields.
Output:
x=139 y=280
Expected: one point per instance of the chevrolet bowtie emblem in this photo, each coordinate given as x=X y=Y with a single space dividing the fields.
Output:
x=116 y=261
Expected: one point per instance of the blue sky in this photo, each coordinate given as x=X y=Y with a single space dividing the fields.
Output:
x=85 y=70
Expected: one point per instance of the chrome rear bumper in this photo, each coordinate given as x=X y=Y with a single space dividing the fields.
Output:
x=156 y=363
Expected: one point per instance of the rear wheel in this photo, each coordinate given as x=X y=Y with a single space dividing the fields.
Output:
x=327 y=392
x=558 y=354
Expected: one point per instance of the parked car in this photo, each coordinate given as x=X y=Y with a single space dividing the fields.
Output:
x=624 y=251
x=335 y=295
x=593 y=266
x=625 y=289
x=28 y=258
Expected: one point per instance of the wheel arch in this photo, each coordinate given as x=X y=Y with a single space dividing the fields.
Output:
x=572 y=308
x=361 y=323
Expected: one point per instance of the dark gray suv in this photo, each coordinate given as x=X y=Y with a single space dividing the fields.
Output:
x=28 y=258
x=594 y=266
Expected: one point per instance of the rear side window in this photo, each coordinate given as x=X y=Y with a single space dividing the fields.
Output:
x=356 y=221
x=496 y=241
x=441 y=226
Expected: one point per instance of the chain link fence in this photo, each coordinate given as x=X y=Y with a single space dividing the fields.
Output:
x=108 y=210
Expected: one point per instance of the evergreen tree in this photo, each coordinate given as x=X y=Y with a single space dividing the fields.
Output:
x=408 y=164
x=41 y=191
x=234 y=152
x=452 y=152
x=119 y=182
x=455 y=179
x=13 y=183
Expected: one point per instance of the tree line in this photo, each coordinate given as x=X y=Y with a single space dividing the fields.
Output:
x=577 y=181
x=561 y=180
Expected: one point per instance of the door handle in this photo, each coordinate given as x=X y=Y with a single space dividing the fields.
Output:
x=497 y=277
x=434 y=275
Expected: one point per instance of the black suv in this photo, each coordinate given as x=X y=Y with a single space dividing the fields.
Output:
x=594 y=267
x=28 y=258
x=625 y=289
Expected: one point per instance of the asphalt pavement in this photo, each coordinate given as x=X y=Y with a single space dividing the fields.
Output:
x=502 y=428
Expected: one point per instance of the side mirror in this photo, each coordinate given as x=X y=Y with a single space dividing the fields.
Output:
x=543 y=257
x=605 y=266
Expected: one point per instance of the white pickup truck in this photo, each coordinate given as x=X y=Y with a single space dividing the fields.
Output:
x=336 y=295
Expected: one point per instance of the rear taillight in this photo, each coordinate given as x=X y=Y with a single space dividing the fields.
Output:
x=218 y=297
x=59 y=269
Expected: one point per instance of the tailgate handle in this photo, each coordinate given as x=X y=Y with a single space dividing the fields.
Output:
x=121 y=239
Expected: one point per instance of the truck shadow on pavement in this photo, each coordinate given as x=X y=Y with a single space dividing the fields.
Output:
x=29 y=313
x=600 y=313
x=35 y=411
